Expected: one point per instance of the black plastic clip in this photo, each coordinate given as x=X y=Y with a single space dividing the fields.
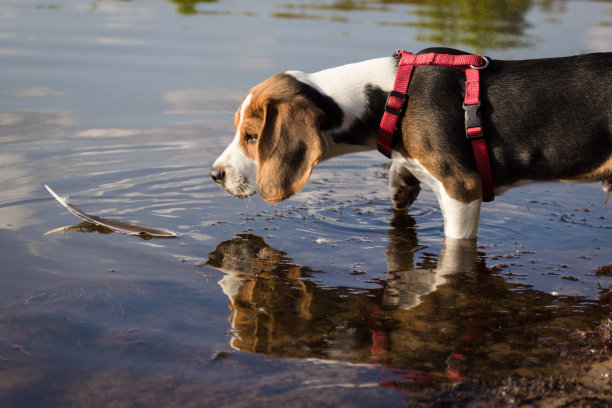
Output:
x=392 y=111
x=472 y=119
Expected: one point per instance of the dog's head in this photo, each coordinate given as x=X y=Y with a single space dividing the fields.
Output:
x=278 y=140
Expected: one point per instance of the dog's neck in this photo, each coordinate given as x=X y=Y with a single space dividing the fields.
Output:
x=360 y=90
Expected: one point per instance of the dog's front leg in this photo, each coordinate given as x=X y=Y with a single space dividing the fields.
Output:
x=460 y=219
x=403 y=186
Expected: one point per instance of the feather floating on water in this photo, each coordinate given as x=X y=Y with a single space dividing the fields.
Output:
x=117 y=226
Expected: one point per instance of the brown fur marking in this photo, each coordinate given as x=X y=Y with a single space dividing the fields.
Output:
x=460 y=181
x=600 y=173
x=289 y=144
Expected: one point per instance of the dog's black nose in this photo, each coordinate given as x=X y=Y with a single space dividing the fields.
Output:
x=217 y=175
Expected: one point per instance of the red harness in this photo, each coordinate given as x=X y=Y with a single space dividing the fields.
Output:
x=396 y=104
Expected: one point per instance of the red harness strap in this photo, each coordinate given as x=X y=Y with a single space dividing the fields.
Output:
x=396 y=103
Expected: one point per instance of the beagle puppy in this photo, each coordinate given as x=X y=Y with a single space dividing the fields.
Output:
x=543 y=120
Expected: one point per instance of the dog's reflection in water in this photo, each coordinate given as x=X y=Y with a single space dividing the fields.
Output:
x=267 y=297
x=443 y=319
x=406 y=284
x=278 y=308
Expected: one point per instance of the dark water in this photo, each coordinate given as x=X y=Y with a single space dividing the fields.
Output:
x=329 y=298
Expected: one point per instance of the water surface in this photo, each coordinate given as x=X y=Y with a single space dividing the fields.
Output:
x=329 y=297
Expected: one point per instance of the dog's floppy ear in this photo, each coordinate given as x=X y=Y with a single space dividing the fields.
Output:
x=290 y=146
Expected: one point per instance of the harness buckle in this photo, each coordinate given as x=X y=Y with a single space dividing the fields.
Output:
x=483 y=66
x=396 y=112
x=473 y=124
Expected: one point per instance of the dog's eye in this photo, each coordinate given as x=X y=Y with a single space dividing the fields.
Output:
x=250 y=138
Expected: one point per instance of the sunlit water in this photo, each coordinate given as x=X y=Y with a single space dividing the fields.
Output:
x=125 y=105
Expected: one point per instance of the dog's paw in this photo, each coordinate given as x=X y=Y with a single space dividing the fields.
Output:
x=405 y=196
x=403 y=186
x=404 y=191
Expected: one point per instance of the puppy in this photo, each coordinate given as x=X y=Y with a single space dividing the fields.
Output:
x=543 y=120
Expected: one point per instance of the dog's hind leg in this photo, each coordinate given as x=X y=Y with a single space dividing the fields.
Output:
x=403 y=186
x=606 y=186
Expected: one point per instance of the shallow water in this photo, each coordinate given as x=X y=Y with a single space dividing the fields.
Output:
x=327 y=297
